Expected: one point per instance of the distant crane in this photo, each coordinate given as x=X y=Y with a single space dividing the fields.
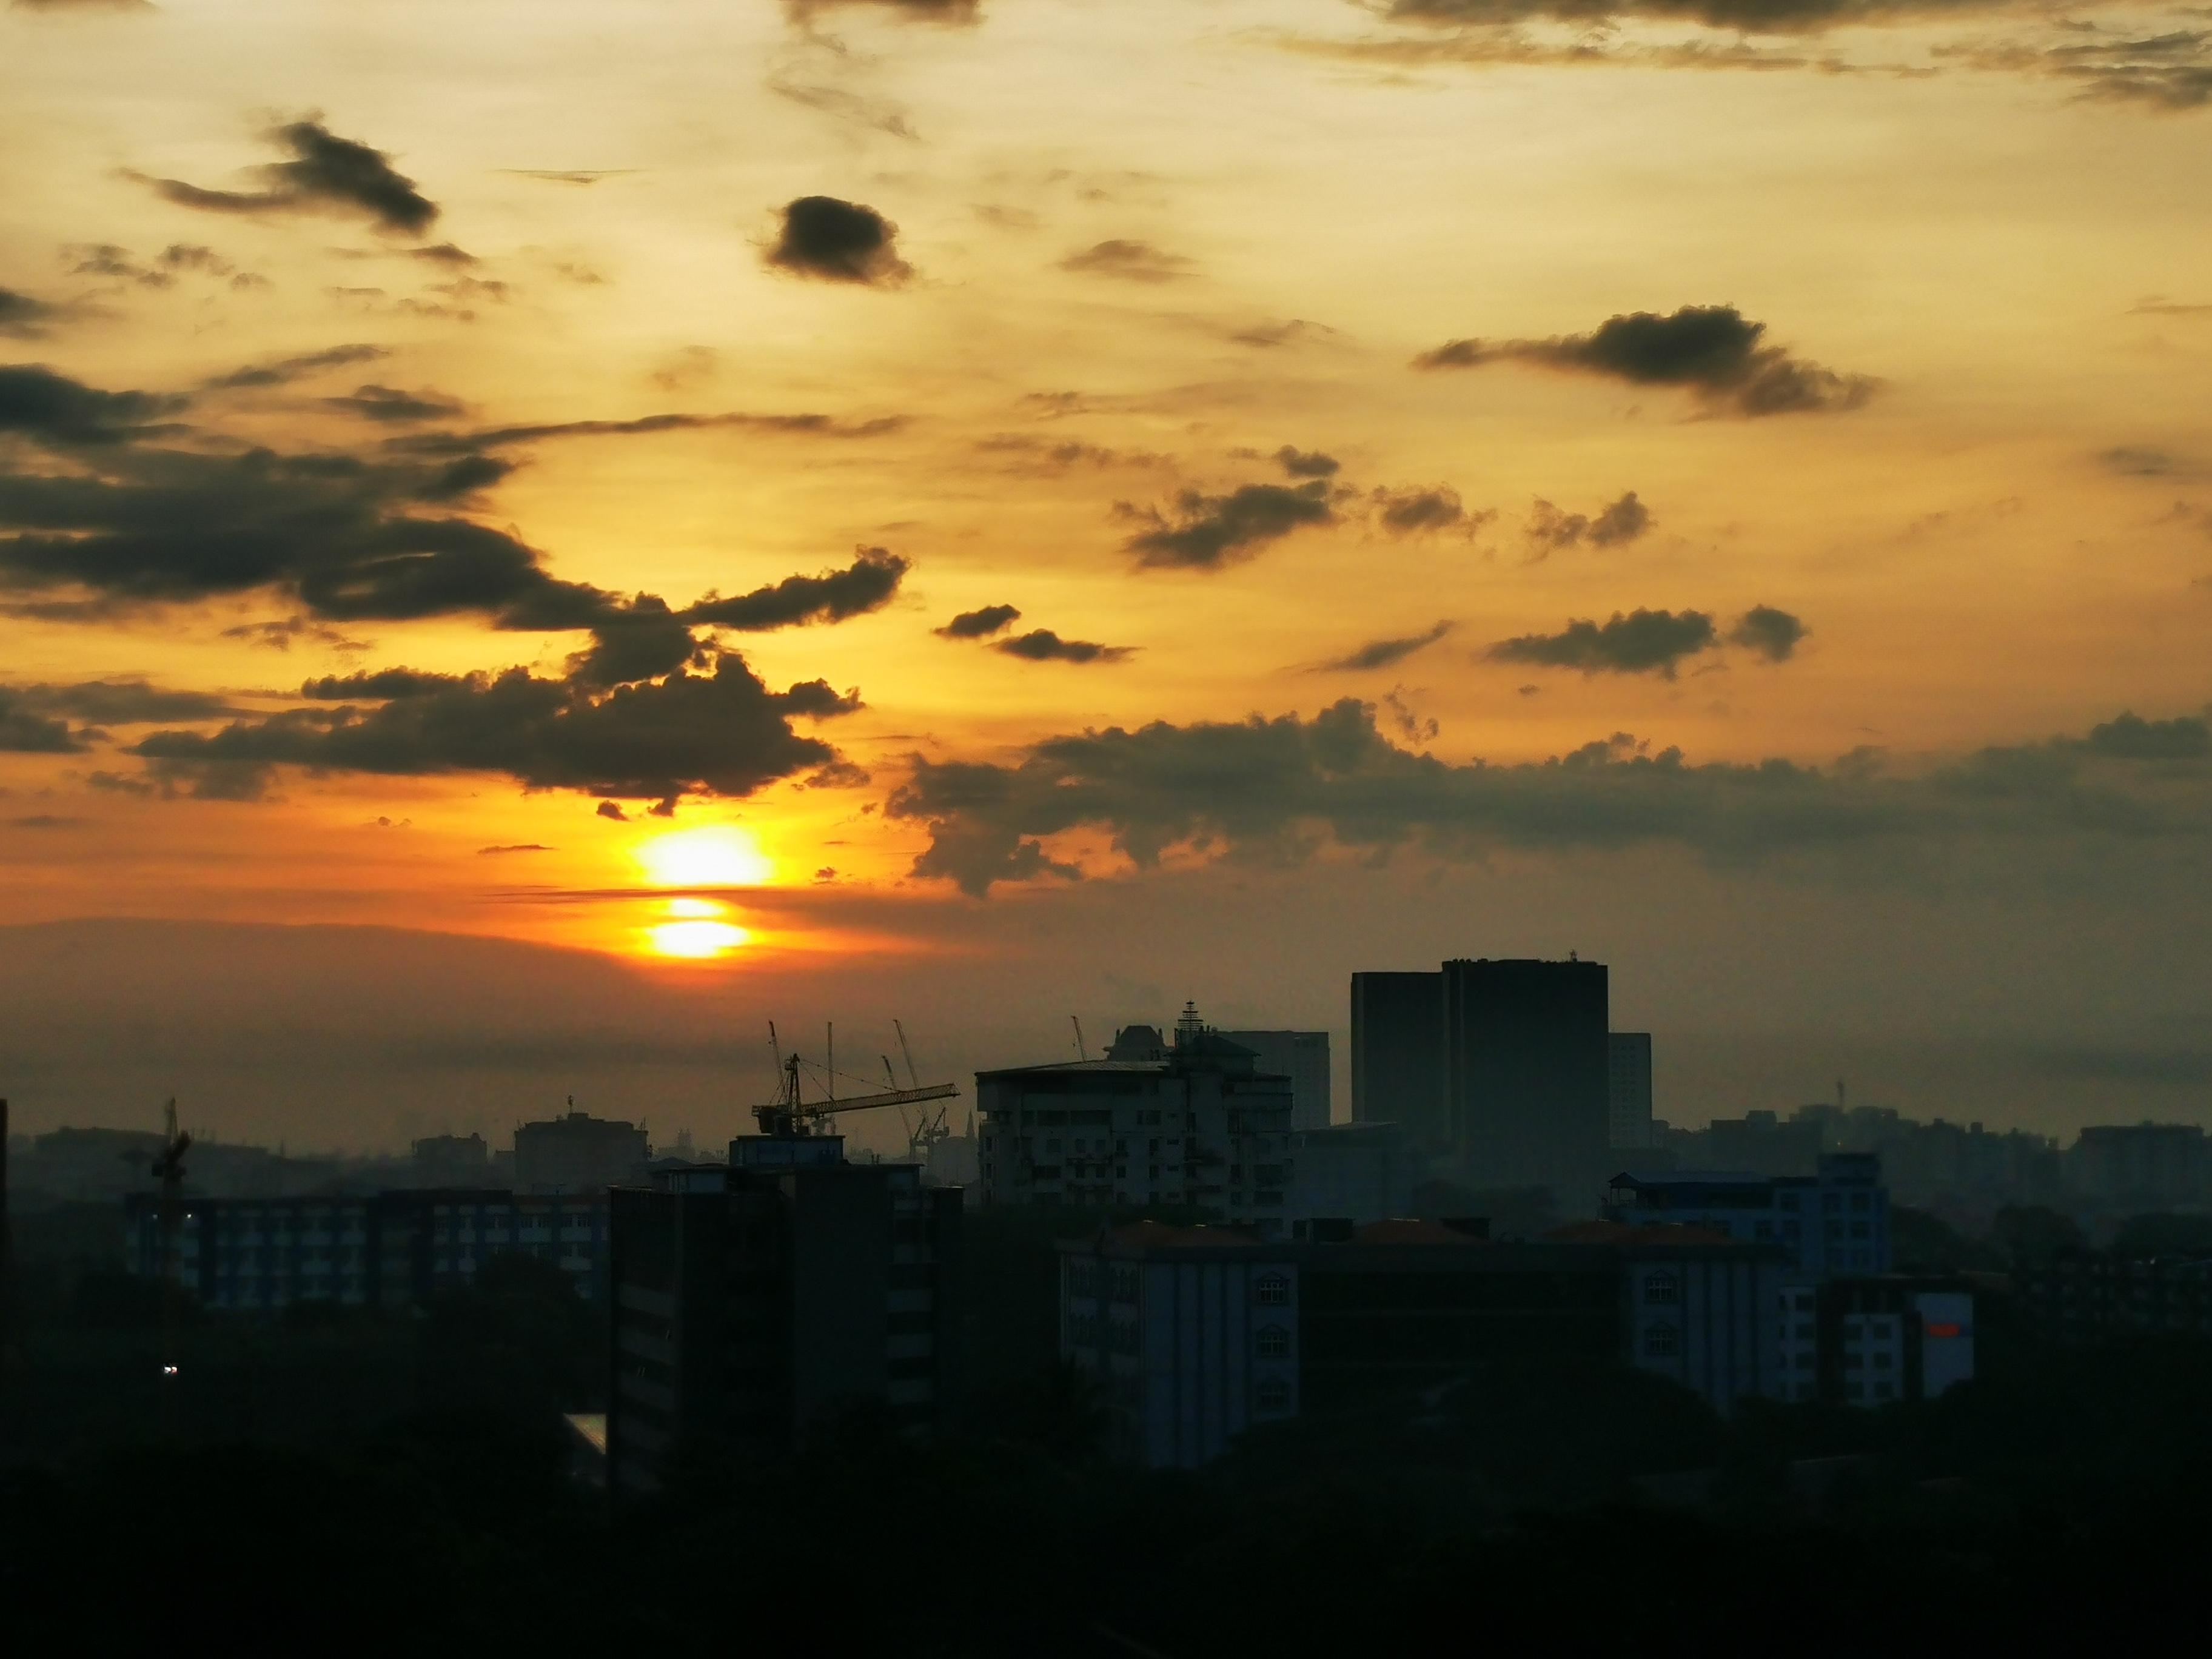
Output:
x=169 y=1170
x=792 y=1114
x=1082 y=1049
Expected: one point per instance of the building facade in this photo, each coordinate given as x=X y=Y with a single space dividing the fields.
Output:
x=1873 y=1342
x=1189 y=1122
x=1400 y=1071
x=1302 y=1057
x=750 y=1300
x=1359 y=1172
x=1529 y=1058
x=392 y=1251
x=1628 y=1090
x=1834 y=1221
x=1196 y=1335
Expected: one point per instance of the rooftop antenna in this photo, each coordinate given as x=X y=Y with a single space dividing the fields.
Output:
x=1081 y=1052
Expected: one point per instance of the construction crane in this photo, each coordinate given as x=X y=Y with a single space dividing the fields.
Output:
x=169 y=1170
x=791 y=1114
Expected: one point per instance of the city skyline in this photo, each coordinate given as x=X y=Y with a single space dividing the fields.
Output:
x=1073 y=510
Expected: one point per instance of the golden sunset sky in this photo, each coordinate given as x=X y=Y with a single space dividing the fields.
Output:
x=1327 y=386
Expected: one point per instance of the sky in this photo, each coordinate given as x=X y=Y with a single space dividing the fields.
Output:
x=536 y=539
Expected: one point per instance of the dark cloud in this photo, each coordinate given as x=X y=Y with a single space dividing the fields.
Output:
x=107 y=259
x=2143 y=461
x=52 y=408
x=568 y=175
x=1715 y=351
x=929 y=11
x=1205 y=532
x=23 y=318
x=517 y=847
x=280 y=633
x=122 y=703
x=378 y=685
x=1640 y=643
x=1042 y=645
x=25 y=731
x=445 y=253
x=2130 y=737
x=641 y=640
x=867 y=584
x=1279 y=789
x=717 y=732
x=1551 y=530
x=194 y=256
x=1412 y=511
x=327 y=173
x=607 y=809
x=1307 y=463
x=1267 y=337
x=1749 y=17
x=804 y=425
x=1386 y=654
x=285 y=370
x=1041 y=455
x=1773 y=633
x=843 y=104
x=838 y=241
x=388 y=404
x=1128 y=262
x=979 y=624
x=461 y=478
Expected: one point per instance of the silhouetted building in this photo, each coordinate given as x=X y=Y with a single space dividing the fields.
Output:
x=451 y=1161
x=390 y=1250
x=1358 y=1171
x=1529 y=1068
x=1763 y=1144
x=1196 y=1335
x=1401 y=1066
x=1301 y=1056
x=753 y=1297
x=1628 y=1090
x=1187 y=1122
x=2139 y=1167
x=1834 y=1221
x=577 y=1153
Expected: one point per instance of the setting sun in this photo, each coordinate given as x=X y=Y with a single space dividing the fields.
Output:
x=720 y=856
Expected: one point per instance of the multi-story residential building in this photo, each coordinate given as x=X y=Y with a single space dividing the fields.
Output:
x=577 y=1153
x=451 y=1161
x=1198 y=1333
x=752 y=1297
x=1834 y=1221
x=1301 y=1056
x=2087 y=1296
x=1873 y=1342
x=1191 y=1122
x=1628 y=1090
x=390 y=1250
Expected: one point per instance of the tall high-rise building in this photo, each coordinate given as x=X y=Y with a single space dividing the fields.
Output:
x=1528 y=1056
x=1628 y=1091
x=577 y=1153
x=1400 y=1067
x=752 y=1299
x=1301 y=1056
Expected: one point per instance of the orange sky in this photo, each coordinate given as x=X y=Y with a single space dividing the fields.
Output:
x=1132 y=351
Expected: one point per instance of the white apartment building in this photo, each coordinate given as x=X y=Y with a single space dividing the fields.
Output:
x=1189 y=1123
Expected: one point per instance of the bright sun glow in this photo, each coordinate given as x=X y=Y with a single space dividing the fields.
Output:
x=720 y=856
x=699 y=936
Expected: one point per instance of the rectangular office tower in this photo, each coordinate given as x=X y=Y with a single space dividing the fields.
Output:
x=1401 y=1070
x=751 y=1299
x=1530 y=1074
